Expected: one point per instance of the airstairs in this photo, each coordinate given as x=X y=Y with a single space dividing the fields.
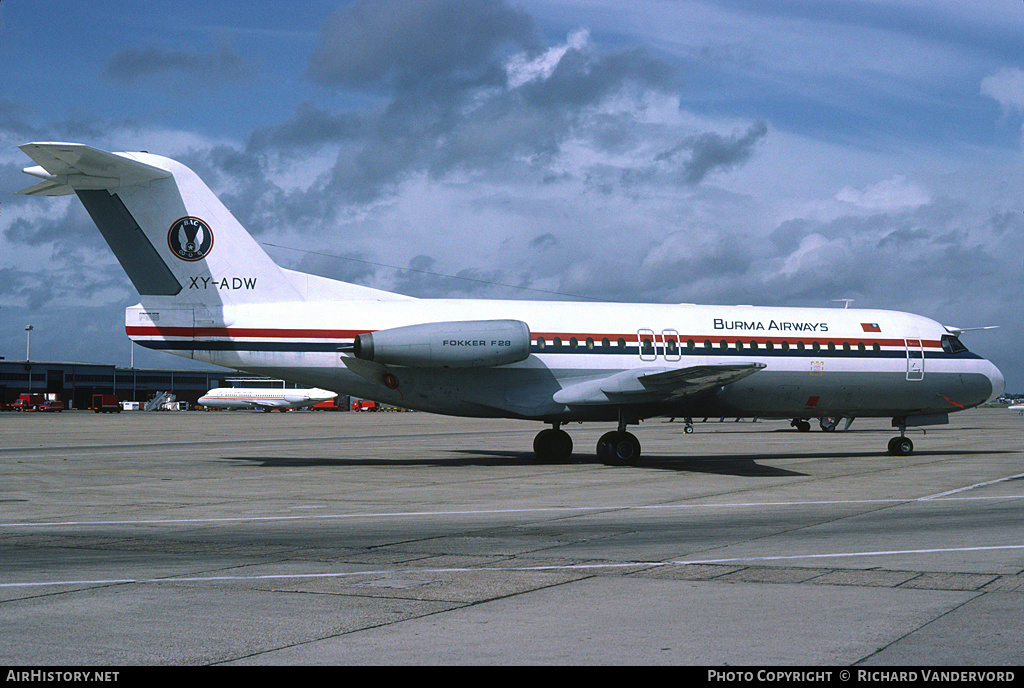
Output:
x=160 y=401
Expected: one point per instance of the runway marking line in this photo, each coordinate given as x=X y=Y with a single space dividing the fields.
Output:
x=472 y=512
x=504 y=569
x=971 y=487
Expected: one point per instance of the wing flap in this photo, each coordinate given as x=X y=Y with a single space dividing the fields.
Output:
x=647 y=385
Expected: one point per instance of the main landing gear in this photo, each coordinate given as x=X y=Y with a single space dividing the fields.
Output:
x=826 y=423
x=552 y=445
x=616 y=448
x=620 y=448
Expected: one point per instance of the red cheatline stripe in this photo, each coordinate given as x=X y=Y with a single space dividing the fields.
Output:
x=279 y=333
x=240 y=332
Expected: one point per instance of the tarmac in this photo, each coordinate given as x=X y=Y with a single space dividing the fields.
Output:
x=316 y=538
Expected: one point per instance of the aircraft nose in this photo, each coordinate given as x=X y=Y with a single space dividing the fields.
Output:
x=995 y=377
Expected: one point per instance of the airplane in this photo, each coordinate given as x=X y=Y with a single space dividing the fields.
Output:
x=209 y=292
x=1017 y=407
x=266 y=399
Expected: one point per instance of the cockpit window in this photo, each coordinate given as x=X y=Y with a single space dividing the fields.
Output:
x=952 y=345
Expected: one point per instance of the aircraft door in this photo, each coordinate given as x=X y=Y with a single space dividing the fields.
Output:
x=673 y=347
x=915 y=359
x=648 y=344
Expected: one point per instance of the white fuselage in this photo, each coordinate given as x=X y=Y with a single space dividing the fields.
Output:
x=818 y=362
x=266 y=398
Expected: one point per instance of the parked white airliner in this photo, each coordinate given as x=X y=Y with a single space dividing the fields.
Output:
x=209 y=292
x=267 y=399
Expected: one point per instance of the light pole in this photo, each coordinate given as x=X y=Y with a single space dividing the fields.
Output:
x=28 y=349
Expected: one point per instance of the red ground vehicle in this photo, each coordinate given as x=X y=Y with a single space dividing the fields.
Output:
x=28 y=402
x=365 y=405
x=331 y=405
x=106 y=403
x=38 y=402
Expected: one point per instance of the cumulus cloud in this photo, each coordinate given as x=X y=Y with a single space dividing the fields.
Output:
x=1006 y=87
x=815 y=257
x=464 y=86
x=369 y=44
x=887 y=195
x=479 y=98
x=181 y=70
x=522 y=68
x=710 y=151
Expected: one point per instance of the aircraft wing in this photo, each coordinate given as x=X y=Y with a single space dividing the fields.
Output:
x=646 y=385
x=263 y=404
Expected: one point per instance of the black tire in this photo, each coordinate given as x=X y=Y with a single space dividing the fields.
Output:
x=552 y=446
x=901 y=446
x=618 y=449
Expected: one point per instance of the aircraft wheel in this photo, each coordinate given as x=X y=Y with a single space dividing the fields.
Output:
x=618 y=449
x=552 y=446
x=901 y=446
x=688 y=429
x=828 y=423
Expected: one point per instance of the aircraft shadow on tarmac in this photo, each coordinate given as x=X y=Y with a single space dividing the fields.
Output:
x=749 y=465
x=732 y=465
x=477 y=459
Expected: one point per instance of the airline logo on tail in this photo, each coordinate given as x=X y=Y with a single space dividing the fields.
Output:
x=190 y=239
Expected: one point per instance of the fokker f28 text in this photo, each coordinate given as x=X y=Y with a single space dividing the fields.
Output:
x=551 y=362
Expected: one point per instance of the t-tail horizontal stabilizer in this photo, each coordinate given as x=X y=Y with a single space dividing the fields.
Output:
x=69 y=167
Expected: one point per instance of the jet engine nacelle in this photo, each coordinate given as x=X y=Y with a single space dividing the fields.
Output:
x=465 y=344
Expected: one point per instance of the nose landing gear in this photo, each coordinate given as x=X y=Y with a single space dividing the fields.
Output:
x=901 y=446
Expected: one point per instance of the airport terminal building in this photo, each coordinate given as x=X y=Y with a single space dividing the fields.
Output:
x=75 y=383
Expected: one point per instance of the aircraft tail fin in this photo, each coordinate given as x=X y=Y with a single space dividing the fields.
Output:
x=171 y=234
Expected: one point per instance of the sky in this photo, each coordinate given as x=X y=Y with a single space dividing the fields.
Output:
x=790 y=153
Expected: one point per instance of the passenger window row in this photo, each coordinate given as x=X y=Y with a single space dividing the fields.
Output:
x=672 y=346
